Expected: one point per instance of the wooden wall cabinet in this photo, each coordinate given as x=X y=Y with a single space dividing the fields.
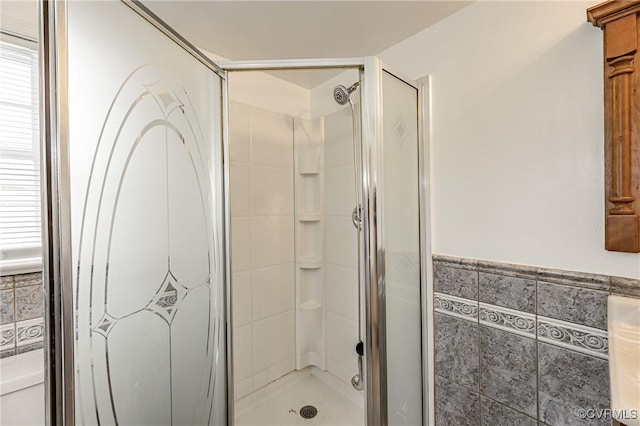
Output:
x=619 y=21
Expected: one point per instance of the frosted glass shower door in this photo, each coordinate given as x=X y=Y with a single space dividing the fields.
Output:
x=146 y=207
x=401 y=227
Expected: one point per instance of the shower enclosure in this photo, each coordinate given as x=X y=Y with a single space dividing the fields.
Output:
x=150 y=248
x=294 y=253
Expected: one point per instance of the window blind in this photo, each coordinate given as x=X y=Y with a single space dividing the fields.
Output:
x=20 y=228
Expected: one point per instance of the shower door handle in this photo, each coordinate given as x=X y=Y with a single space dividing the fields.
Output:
x=356 y=216
x=356 y=381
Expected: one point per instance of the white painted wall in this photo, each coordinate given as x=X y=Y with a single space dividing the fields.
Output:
x=517 y=150
x=20 y=17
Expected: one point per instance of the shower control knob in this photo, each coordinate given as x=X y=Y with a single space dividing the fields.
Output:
x=360 y=348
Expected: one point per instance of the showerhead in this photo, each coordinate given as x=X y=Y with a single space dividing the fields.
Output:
x=341 y=93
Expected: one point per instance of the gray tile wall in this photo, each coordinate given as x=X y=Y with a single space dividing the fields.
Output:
x=519 y=345
x=21 y=314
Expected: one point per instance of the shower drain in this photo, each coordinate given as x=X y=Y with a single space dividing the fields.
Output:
x=308 y=412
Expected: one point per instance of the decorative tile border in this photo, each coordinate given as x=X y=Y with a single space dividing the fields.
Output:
x=29 y=332
x=25 y=332
x=25 y=280
x=575 y=279
x=625 y=286
x=619 y=285
x=550 y=358
x=508 y=269
x=580 y=338
x=576 y=337
x=455 y=306
x=7 y=336
x=6 y=282
x=506 y=319
x=456 y=262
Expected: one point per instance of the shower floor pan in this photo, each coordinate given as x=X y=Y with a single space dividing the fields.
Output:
x=279 y=403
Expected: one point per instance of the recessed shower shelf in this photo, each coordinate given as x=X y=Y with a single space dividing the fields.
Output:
x=309 y=262
x=309 y=266
x=309 y=243
x=309 y=192
x=310 y=217
x=310 y=306
x=316 y=214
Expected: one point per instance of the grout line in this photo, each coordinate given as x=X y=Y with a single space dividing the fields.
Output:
x=264 y=216
x=251 y=269
x=572 y=324
x=352 y=268
x=479 y=346
x=15 y=337
x=458 y=384
x=512 y=331
x=15 y=314
x=329 y=310
x=438 y=294
x=573 y=348
x=269 y=166
x=272 y=316
x=473 y=319
x=511 y=408
x=535 y=311
x=505 y=310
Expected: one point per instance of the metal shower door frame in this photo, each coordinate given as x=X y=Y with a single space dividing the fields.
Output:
x=58 y=281
x=59 y=342
x=261 y=65
x=372 y=237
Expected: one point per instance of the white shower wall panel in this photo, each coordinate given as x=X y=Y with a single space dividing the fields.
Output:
x=341 y=246
x=262 y=240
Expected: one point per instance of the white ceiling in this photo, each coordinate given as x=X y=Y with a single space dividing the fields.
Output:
x=243 y=30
